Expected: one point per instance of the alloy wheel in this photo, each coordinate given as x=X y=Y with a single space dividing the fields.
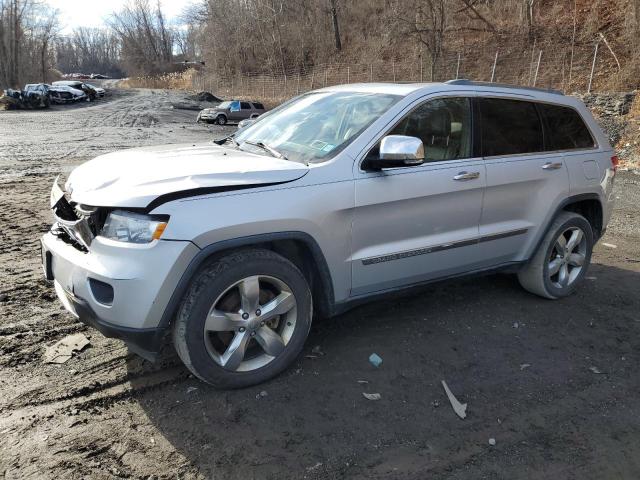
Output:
x=250 y=323
x=567 y=258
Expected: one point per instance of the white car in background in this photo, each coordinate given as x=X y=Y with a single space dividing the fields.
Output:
x=100 y=92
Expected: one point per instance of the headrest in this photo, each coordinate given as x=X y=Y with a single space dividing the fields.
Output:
x=438 y=123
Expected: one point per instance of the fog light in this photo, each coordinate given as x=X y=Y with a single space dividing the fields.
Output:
x=101 y=291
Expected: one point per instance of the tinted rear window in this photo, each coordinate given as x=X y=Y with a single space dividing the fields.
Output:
x=245 y=106
x=566 y=130
x=509 y=127
x=258 y=106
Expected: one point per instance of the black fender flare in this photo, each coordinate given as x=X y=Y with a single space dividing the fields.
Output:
x=326 y=303
x=560 y=208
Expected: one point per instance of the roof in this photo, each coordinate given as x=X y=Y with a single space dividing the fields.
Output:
x=405 y=89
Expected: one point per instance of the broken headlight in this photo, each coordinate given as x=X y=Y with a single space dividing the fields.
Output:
x=132 y=227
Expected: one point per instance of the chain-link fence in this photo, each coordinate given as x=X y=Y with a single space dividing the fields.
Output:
x=578 y=69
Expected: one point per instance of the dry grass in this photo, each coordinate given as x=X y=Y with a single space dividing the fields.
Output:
x=173 y=81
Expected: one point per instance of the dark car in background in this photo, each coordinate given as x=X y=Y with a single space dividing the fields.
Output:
x=231 y=111
x=36 y=95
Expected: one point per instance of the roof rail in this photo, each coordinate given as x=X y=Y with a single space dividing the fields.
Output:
x=464 y=81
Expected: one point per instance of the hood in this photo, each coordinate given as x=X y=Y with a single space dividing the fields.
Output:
x=143 y=177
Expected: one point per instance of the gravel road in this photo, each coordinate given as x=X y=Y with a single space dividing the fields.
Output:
x=525 y=366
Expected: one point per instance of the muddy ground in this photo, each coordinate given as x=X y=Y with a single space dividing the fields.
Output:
x=108 y=414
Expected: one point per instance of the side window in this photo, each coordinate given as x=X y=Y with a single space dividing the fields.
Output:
x=245 y=106
x=509 y=127
x=443 y=125
x=258 y=106
x=566 y=130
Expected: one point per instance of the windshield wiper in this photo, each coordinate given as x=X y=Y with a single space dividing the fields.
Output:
x=267 y=148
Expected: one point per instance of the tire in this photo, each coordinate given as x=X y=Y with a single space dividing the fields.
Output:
x=218 y=288
x=557 y=269
x=221 y=120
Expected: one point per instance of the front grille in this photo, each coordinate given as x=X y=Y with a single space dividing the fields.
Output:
x=76 y=224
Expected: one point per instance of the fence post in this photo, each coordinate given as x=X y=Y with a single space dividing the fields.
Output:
x=493 y=70
x=298 y=85
x=371 y=72
x=421 y=70
x=285 y=85
x=325 y=76
x=313 y=76
x=264 y=87
x=458 y=67
x=348 y=75
x=535 y=78
x=394 y=71
x=593 y=66
x=533 y=53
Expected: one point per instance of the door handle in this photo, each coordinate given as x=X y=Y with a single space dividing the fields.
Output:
x=464 y=176
x=552 y=166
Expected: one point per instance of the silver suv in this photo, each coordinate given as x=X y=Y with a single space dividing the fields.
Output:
x=229 y=249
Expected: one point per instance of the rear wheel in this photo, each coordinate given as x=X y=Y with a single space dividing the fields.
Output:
x=562 y=259
x=244 y=319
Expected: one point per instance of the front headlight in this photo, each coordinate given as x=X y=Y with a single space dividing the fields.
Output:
x=131 y=227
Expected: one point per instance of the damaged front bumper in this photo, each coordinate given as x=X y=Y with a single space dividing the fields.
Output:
x=121 y=289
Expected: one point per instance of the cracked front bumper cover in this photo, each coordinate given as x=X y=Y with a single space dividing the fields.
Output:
x=147 y=342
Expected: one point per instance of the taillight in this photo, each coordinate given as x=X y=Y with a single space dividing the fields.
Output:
x=614 y=162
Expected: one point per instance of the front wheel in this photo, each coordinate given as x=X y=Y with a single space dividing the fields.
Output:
x=244 y=319
x=221 y=120
x=562 y=259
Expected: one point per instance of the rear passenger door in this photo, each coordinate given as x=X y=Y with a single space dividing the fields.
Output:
x=526 y=178
x=245 y=110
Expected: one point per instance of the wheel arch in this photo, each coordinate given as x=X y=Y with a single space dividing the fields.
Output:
x=588 y=205
x=591 y=209
x=298 y=247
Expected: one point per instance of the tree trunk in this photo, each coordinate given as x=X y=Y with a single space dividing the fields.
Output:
x=336 y=25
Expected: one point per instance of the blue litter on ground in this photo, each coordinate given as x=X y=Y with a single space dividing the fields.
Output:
x=375 y=360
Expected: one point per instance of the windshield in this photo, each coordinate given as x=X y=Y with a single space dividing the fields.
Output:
x=224 y=105
x=316 y=126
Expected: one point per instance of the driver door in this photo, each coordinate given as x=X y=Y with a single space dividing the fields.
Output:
x=413 y=224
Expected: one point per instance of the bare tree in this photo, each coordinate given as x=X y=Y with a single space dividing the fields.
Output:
x=336 y=25
x=27 y=28
x=427 y=21
x=146 y=43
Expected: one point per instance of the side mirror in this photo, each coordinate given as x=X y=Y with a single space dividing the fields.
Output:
x=398 y=151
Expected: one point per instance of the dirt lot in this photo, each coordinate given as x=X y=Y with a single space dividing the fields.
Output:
x=106 y=413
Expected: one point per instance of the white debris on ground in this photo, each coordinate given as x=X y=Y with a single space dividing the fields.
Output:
x=459 y=408
x=371 y=396
x=62 y=350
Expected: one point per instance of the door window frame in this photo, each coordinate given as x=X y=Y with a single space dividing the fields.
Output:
x=543 y=121
x=377 y=138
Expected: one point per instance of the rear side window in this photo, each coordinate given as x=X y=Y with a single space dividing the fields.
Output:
x=510 y=127
x=258 y=106
x=566 y=129
x=245 y=106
